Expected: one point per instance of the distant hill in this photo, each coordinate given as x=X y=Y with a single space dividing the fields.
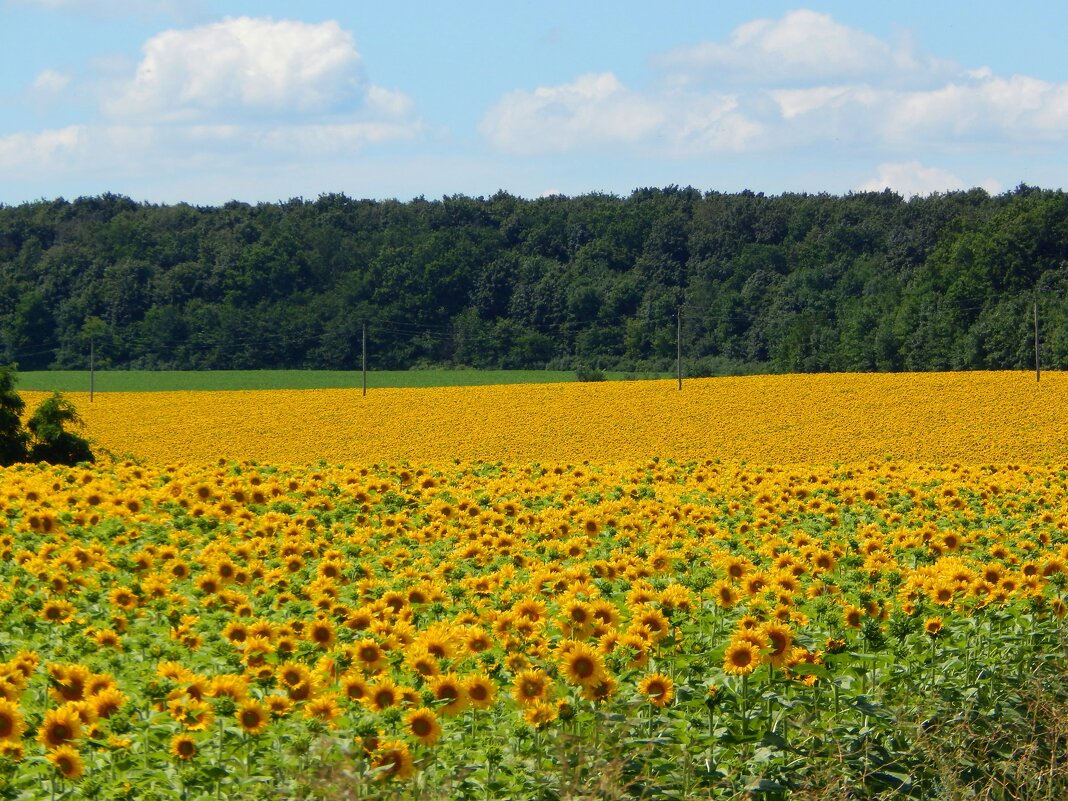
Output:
x=789 y=283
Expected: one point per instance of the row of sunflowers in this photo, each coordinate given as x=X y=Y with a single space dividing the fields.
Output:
x=541 y=630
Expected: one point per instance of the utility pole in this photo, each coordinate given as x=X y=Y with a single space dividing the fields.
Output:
x=678 y=346
x=92 y=368
x=363 y=346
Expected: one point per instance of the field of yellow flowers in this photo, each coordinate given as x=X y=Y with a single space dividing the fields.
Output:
x=429 y=604
x=788 y=419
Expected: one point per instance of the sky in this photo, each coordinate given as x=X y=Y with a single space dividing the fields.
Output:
x=208 y=101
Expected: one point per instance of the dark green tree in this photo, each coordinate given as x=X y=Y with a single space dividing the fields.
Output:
x=13 y=437
x=52 y=442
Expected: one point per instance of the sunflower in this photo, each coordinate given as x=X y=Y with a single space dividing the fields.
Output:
x=383 y=694
x=67 y=761
x=852 y=616
x=324 y=707
x=183 y=746
x=541 y=713
x=58 y=611
x=229 y=685
x=293 y=674
x=932 y=626
x=321 y=633
x=780 y=641
x=423 y=725
x=353 y=685
x=11 y=724
x=530 y=608
x=654 y=621
x=638 y=644
x=107 y=638
x=253 y=716
x=601 y=691
x=741 y=658
x=725 y=594
x=235 y=631
x=481 y=691
x=393 y=760
x=658 y=688
x=420 y=660
x=582 y=665
x=477 y=640
x=531 y=686
x=123 y=598
x=369 y=655
x=449 y=689
x=195 y=714
x=279 y=705
x=61 y=725
x=107 y=701
x=68 y=682
x=577 y=613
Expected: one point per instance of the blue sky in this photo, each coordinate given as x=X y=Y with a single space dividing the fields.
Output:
x=207 y=101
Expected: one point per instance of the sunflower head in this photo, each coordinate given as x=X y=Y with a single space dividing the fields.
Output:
x=658 y=688
x=183 y=747
x=423 y=725
x=61 y=725
x=393 y=760
x=449 y=690
x=253 y=716
x=67 y=762
x=741 y=658
x=11 y=723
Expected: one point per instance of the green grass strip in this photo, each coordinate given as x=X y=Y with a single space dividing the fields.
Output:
x=223 y=380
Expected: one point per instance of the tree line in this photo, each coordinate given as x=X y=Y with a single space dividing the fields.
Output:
x=790 y=283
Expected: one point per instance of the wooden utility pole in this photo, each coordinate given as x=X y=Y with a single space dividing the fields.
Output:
x=678 y=346
x=363 y=346
x=92 y=368
x=1038 y=373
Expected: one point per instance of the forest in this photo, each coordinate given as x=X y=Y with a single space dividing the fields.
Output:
x=739 y=282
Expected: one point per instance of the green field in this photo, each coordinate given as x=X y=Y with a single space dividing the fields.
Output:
x=221 y=380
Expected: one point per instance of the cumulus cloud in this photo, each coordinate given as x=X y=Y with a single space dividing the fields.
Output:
x=244 y=66
x=912 y=178
x=782 y=84
x=803 y=45
x=597 y=110
x=54 y=146
x=590 y=111
x=242 y=91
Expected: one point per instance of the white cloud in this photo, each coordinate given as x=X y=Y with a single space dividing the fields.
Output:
x=50 y=82
x=1017 y=108
x=911 y=178
x=801 y=81
x=803 y=45
x=597 y=110
x=240 y=94
x=244 y=66
x=592 y=110
x=19 y=150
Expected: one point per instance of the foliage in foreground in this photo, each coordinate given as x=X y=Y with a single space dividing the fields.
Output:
x=664 y=630
x=45 y=437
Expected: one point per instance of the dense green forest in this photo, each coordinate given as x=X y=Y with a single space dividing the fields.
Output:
x=748 y=282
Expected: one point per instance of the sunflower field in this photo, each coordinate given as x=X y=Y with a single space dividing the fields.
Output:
x=543 y=628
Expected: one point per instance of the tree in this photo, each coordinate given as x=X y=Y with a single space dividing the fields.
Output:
x=52 y=443
x=13 y=437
